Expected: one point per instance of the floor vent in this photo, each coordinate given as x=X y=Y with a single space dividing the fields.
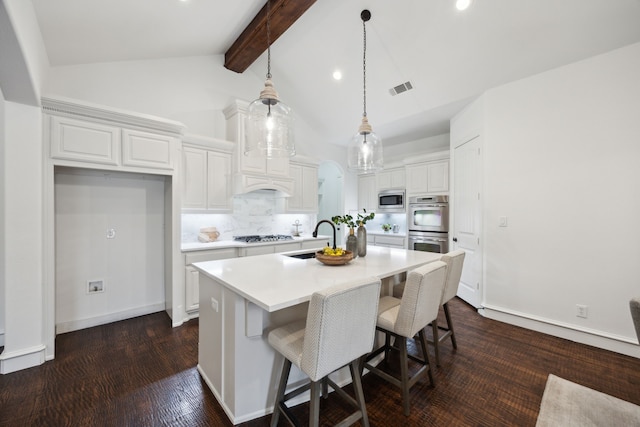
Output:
x=400 y=88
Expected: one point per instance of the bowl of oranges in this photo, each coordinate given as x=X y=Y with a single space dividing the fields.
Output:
x=337 y=256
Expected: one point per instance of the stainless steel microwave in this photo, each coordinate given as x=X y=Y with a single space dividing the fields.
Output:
x=391 y=201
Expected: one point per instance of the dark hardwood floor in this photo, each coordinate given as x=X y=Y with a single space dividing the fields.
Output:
x=141 y=372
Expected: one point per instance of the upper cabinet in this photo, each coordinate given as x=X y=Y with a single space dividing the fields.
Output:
x=206 y=171
x=391 y=178
x=87 y=134
x=305 y=186
x=427 y=174
x=367 y=193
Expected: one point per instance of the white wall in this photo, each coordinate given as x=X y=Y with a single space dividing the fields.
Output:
x=22 y=238
x=3 y=183
x=24 y=59
x=561 y=161
x=399 y=152
x=87 y=204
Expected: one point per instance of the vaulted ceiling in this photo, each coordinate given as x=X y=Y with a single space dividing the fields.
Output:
x=450 y=57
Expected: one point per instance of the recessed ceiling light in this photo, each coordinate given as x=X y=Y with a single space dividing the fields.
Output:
x=463 y=4
x=337 y=75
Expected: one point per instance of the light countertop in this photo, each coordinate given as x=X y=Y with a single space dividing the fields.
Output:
x=221 y=244
x=277 y=281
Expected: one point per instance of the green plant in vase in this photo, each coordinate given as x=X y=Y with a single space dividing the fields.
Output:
x=357 y=245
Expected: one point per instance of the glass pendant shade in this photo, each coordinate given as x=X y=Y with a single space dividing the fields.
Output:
x=364 y=154
x=365 y=150
x=268 y=126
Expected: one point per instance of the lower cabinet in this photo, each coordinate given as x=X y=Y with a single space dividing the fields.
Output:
x=388 y=241
x=192 y=276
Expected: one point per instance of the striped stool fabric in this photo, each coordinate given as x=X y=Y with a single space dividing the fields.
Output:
x=338 y=331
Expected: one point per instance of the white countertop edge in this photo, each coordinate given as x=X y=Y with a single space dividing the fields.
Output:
x=221 y=244
x=288 y=301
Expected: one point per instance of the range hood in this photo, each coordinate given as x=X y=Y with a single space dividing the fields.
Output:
x=247 y=183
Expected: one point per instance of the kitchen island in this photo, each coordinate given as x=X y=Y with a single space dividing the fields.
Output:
x=242 y=299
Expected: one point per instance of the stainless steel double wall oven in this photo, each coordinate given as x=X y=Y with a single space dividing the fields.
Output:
x=428 y=223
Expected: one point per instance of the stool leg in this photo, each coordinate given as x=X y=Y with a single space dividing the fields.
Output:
x=436 y=340
x=404 y=374
x=423 y=340
x=314 y=404
x=357 y=387
x=449 y=324
x=284 y=377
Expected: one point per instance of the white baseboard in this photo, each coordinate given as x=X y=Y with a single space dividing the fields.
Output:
x=23 y=359
x=75 y=325
x=611 y=342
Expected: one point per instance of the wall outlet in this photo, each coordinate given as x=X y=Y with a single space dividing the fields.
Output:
x=94 y=286
x=582 y=310
x=214 y=304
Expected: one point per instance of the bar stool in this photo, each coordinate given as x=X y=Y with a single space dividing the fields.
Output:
x=339 y=330
x=406 y=317
x=454 y=261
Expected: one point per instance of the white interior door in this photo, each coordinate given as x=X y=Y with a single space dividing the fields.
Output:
x=467 y=218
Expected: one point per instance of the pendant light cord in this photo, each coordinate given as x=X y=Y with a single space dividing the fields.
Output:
x=268 y=39
x=364 y=69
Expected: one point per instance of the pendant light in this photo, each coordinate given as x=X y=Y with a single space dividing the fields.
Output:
x=269 y=122
x=365 y=150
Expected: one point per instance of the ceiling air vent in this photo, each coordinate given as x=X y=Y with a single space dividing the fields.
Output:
x=400 y=88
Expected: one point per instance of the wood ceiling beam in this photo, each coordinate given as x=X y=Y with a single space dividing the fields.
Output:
x=253 y=40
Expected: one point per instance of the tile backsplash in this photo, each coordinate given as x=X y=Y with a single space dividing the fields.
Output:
x=253 y=213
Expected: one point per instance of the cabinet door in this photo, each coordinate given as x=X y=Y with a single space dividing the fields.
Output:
x=192 y=291
x=294 y=203
x=398 y=178
x=84 y=141
x=367 y=193
x=218 y=181
x=390 y=241
x=438 y=177
x=305 y=191
x=256 y=250
x=192 y=276
x=148 y=150
x=417 y=179
x=194 y=188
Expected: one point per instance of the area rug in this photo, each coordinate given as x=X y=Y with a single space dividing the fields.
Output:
x=569 y=404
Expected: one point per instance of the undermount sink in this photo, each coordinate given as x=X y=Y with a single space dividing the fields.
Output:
x=305 y=255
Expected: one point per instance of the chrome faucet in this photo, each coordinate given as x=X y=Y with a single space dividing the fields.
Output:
x=315 y=232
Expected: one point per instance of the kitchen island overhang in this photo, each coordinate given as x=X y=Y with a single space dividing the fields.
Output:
x=241 y=299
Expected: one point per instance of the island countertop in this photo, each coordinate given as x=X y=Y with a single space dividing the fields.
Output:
x=277 y=281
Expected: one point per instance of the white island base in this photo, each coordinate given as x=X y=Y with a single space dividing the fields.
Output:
x=242 y=299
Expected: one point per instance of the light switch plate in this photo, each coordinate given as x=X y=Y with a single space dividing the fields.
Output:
x=503 y=221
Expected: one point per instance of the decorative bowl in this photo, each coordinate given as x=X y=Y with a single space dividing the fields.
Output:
x=334 y=260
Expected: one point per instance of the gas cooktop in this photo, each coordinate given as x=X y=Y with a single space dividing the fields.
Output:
x=262 y=238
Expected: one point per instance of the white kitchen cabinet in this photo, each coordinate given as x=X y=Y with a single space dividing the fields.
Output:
x=367 y=193
x=305 y=190
x=147 y=150
x=427 y=178
x=391 y=179
x=78 y=140
x=388 y=241
x=192 y=278
x=91 y=142
x=206 y=177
